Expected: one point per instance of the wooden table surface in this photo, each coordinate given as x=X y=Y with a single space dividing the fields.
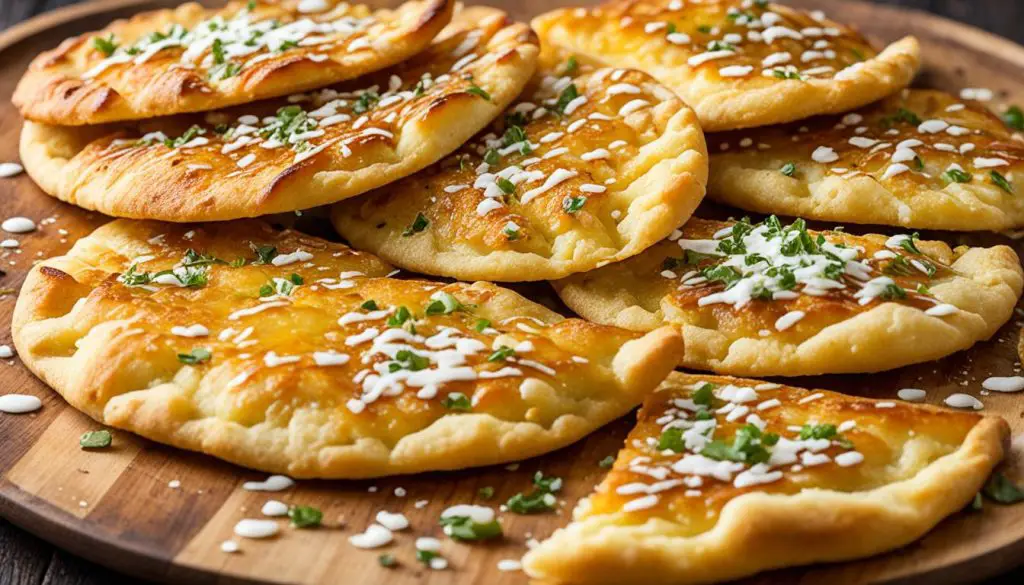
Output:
x=27 y=560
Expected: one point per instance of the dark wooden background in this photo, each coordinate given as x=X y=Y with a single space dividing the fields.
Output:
x=27 y=560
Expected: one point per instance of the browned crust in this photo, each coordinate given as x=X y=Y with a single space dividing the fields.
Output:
x=82 y=166
x=53 y=91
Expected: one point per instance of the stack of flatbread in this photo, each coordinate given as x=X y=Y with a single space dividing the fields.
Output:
x=460 y=145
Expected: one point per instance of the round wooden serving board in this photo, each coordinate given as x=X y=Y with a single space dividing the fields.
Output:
x=115 y=506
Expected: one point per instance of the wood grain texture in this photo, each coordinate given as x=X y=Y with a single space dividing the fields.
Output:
x=133 y=521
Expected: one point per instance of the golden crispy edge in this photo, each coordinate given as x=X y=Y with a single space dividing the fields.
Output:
x=164 y=412
x=885 y=337
x=757 y=531
x=861 y=199
x=48 y=96
x=671 y=191
x=162 y=191
x=728 y=105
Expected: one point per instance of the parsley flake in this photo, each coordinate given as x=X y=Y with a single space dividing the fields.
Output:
x=1001 y=181
x=465 y=528
x=418 y=225
x=501 y=354
x=572 y=205
x=478 y=91
x=95 y=439
x=107 y=46
x=305 y=516
x=457 y=401
x=196 y=356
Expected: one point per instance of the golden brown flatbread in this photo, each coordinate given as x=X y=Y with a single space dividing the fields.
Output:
x=921 y=159
x=737 y=63
x=723 y=478
x=589 y=167
x=193 y=59
x=771 y=299
x=289 y=354
x=295 y=153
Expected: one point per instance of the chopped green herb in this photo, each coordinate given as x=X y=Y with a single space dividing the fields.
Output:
x=485 y=493
x=401 y=315
x=445 y=304
x=225 y=71
x=541 y=499
x=107 y=46
x=457 y=401
x=492 y=157
x=898 y=266
x=418 y=225
x=704 y=395
x=425 y=556
x=387 y=561
x=784 y=74
x=672 y=440
x=826 y=431
x=511 y=231
x=408 y=360
x=704 y=29
x=902 y=115
x=196 y=356
x=192 y=132
x=507 y=187
x=365 y=102
x=910 y=243
x=720 y=46
x=723 y=274
x=571 y=66
x=515 y=134
x=217 y=50
x=264 y=254
x=1001 y=181
x=479 y=91
x=748 y=446
x=1013 y=117
x=788 y=169
x=466 y=529
x=607 y=462
x=281 y=286
x=501 y=354
x=95 y=439
x=573 y=204
x=481 y=324
x=305 y=516
x=568 y=94
x=956 y=176
x=1001 y=489
x=893 y=292
x=370 y=305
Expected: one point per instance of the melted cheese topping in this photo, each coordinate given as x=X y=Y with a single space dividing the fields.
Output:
x=344 y=128
x=799 y=280
x=322 y=330
x=230 y=41
x=918 y=139
x=791 y=440
x=743 y=38
x=552 y=165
